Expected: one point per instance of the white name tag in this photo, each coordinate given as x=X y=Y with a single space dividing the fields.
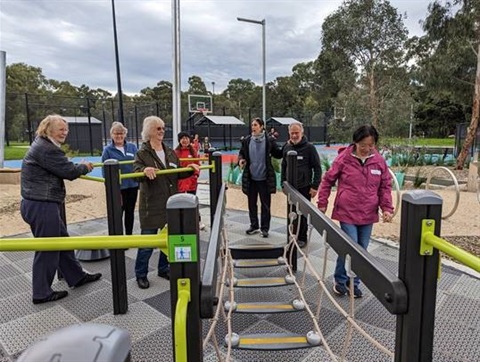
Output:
x=299 y=157
x=129 y=154
x=376 y=172
x=174 y=165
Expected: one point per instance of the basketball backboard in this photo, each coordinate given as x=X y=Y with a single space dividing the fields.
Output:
x=200 y=103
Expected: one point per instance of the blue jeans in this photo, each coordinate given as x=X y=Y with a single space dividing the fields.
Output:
x=359 y=234
x=143 y=256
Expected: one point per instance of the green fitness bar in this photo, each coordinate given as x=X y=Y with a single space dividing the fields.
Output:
x=181 y=319
x=128 y=162
x=93 y=178
x=461 y=255
x=164 y=172
x=87 y=242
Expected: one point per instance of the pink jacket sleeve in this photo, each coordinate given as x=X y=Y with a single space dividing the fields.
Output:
x=327 y=183
x=385 y=191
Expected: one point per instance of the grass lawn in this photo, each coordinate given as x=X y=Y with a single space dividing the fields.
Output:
x=427 y=142
x=16 y=151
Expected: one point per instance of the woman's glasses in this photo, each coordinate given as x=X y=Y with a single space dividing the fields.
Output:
x=160 y=128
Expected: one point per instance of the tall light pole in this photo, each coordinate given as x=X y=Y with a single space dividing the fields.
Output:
x=213 y=88
x=117 y=63
x=264 y=56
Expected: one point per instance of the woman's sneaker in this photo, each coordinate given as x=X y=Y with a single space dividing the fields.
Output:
x=357 y=293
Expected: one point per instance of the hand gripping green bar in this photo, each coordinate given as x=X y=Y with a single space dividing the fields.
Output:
x=166 y=172
x=429 y=241
x=88 y=242
x=183 y=286
x=129 y=162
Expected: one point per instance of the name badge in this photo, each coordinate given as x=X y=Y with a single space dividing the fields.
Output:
x=299 y=157
x=129 y=154
x=171 y=164
x=376 y=172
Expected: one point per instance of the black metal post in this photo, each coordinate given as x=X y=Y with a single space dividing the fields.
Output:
x=291 y=178
x=117 y=257
x=89 y=118
x=136 y=124
x=215 y=179
x=184 y=258
x=117 y=63
x=113 y=110
x=415 y=329
x=29 y=123
x=105 y=134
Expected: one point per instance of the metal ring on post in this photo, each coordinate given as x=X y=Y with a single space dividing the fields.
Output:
x=397 y=192
x=457 y=188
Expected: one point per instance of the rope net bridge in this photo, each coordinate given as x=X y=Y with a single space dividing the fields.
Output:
x=245 y=289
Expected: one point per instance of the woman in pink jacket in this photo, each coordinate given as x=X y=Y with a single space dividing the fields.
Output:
x=364 y=186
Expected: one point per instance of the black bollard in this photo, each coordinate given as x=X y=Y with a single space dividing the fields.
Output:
x=111 y=170
x=184 y=258
x=215 y=179
x=415 y=329
x=291 y=178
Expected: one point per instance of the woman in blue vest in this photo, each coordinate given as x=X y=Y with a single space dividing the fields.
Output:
x=122 y=150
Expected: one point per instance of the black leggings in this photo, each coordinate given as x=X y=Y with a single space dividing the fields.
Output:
x=129 y=199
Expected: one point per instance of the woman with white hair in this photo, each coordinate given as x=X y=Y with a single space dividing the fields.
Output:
x=155 y=155
x=121 y=150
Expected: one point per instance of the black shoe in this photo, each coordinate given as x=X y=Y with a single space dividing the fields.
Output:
x=52 y=298
x=264 y=234
x=302 y=244
x=143 y=283
x=252 y=230
x=88 y=278
x=164 y=275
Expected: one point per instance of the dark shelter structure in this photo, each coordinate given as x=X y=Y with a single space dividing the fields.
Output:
x=85 y=135
x=224 y=132
x=315 y=134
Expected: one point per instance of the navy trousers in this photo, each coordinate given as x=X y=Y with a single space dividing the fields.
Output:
x=47 y=219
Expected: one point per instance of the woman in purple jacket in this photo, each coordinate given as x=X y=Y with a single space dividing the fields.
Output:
x=364 y=186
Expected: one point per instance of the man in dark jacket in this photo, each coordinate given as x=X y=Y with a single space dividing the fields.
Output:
x=309 y=171
x=44 y=169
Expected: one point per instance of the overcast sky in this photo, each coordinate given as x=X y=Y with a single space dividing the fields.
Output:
x=73 y=40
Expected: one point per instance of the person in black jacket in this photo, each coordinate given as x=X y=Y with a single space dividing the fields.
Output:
x=44 y=169
x=258 y=179
x=309 y=171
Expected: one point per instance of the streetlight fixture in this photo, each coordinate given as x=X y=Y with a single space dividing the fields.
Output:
x=264 y=93
x=213 y=88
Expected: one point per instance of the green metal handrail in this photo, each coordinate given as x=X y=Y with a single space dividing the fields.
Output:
x=183 y=286
x=166 y=172
x=430 y=240
x=129 y=162
x=93 y=178
x=88 y=242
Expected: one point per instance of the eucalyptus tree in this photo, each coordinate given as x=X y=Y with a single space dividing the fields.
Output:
x=368 y=35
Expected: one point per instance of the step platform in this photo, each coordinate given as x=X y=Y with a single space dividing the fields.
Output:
x=265 y=307
x=274 y=341
x=262 y=282
x=259 y=263
x=257 y=251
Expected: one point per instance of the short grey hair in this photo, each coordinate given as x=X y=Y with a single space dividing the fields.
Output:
x=296 y=123
x=148 y=124
x=118 y=126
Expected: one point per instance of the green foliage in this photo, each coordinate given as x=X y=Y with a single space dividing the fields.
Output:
x=68 y=151
x=419 y=179
x=324 y=163
x=14 y=152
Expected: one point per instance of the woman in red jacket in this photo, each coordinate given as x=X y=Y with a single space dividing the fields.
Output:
x=364 y=187
x=186 y=150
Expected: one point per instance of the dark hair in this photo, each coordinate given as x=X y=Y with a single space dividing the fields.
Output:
x=259 y=121
x=364 y=132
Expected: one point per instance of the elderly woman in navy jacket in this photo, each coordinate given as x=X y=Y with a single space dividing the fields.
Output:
x=122 y=150
x=44 y=168
x=258 y=179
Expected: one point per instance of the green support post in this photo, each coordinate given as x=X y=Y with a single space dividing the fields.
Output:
x=184 y=258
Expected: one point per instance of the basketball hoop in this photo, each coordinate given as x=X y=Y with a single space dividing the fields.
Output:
x=202 y=110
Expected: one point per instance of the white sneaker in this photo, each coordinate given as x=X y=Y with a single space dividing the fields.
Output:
x=202 y=226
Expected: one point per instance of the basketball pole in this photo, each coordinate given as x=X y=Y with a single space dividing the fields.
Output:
x=176 y=98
